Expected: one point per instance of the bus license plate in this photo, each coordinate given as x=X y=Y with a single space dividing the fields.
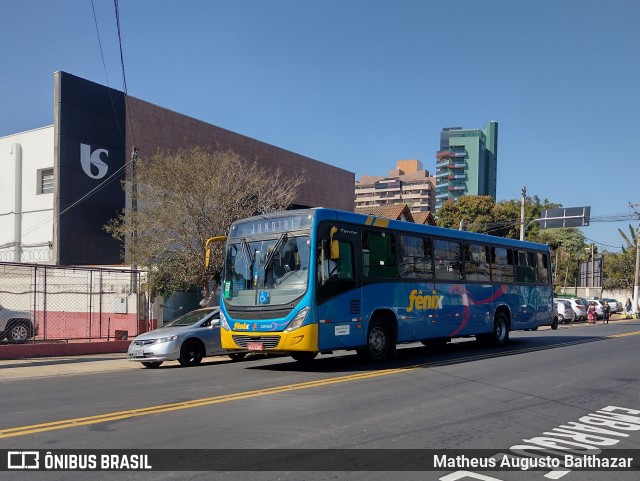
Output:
x=255 y=346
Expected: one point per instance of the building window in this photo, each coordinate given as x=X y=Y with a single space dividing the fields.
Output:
x=45 y=181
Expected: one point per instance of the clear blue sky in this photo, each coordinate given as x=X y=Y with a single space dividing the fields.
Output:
x=362 y=83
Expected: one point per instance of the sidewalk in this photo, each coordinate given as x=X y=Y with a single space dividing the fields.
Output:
x=63 y=366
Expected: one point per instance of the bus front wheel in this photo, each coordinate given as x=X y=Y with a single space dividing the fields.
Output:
x=304 y=356
x=378 y=342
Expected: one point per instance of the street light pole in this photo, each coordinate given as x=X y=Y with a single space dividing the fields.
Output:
x=522 y=228
x=637 y=278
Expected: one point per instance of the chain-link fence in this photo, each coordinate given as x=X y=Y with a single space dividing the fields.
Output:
x=42 y=303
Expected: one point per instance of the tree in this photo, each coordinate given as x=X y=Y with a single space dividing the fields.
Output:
x=619 y=268
x=185 y=197
x=474 y=211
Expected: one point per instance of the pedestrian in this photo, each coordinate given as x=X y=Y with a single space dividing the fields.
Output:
x=628 y=309
x=606 y=312
x=591 y=313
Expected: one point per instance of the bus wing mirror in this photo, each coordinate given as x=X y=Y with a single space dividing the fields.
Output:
x=207 y=248
x=334 y=245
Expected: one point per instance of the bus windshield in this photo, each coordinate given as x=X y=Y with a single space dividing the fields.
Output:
x=271 y=271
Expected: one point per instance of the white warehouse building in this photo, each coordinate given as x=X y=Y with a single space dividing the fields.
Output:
x=26 y=196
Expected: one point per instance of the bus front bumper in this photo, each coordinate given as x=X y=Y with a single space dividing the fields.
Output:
x=303 y=339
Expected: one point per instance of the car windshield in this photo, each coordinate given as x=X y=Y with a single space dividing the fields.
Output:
x=190 y=318
x=270 y=271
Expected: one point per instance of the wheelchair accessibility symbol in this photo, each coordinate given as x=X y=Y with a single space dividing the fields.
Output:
x=263 y=297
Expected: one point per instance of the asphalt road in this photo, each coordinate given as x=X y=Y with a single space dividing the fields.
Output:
x=461 y=398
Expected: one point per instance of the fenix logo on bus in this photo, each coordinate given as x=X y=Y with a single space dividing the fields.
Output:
x=419 y=302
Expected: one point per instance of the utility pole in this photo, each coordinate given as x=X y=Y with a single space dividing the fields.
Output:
x=522 y=227
x=593 y=265
x=636 y=280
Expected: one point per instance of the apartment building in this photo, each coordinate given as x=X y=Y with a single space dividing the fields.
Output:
x=408 y=183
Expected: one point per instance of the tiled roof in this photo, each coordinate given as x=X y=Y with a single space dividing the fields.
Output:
x=424 y=218
x=389 y=211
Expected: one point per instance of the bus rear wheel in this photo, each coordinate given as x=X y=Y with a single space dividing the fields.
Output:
x=378 y=342
x=499 y=336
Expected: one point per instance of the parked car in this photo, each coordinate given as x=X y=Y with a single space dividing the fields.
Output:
x=188 y=338
x=579 y=306
x=17 y=326
x=566 y=314
x=616 y=306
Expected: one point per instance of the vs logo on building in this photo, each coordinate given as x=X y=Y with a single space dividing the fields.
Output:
x=92 y=163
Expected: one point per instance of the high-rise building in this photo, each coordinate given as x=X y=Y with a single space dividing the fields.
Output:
x=408 y=183
x=466 y=163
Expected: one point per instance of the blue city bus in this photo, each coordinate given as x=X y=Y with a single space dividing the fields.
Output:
x=311 y=281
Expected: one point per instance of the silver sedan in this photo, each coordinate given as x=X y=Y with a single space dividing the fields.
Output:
x=187 y=338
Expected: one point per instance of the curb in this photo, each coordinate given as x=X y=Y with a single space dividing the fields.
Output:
x=21 y=351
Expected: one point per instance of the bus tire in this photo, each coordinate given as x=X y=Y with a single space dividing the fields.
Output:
x=378 y=342
x=237 y=356
x=500 y=334
x=554 y=323
x=303 y=356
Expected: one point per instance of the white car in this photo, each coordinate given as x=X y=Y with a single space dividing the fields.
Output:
x=187 y=338
x=566 y=314
x=579 y=307
x=17 y=326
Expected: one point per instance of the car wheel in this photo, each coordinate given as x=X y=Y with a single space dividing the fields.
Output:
x=304 y=356
x=152 y=364
x=191 y=353
x=19 y=333
x=554 y=323
x=237 y=356
x=378 y=342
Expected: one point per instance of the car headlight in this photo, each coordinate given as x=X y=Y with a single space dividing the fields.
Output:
x=167 y=339
x=223 y=322
x=298 y=320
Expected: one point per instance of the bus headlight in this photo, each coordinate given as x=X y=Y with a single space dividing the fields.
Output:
x=223 y=322
x=298 y=320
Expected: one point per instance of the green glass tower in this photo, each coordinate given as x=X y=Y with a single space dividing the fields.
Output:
x=466 y=163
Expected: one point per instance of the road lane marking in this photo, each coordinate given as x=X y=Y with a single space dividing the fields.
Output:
x=132 y=413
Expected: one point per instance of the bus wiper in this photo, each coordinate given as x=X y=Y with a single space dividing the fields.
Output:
x=276 y=247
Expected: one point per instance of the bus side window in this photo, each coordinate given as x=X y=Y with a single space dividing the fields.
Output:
x=476 y=263
x=502 y=265
x=379 y=255
x=448 y=260
x=415 y=257
x=524 y=267
x=542 y=268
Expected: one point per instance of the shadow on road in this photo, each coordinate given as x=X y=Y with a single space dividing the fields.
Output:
x=412 y=355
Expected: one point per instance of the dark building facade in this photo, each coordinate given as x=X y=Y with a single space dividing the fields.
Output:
x=94 y=132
